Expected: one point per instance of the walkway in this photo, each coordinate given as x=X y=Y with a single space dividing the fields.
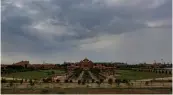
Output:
x=80 y=76
x=92 y=76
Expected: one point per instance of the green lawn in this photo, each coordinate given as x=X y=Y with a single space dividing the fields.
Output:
x=134 y=75
x=33 y=74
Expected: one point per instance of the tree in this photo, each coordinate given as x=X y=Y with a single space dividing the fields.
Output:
x=45 y=80
x=66 y=81
x=170 y=72
x=79 y=81
x=25 y=80
x=21 y=81
x=11 y=83
x=146 y=83
x=101 y=80
x=71 y=81
x=98 y=83
x=3 y=80
x=110 y=81
x=118 y=81
x=57 y=80
x=127 y=82
x=83 y=82
x=166 y=72
x=31 y=83
x=49 y=79
x=93 y=80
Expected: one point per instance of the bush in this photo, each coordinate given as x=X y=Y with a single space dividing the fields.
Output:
x=79 y=81
x=61 y=93
x=93 y=80
x=110 y=81
x=118 y=81
x=3 y=80
x=57 y=80
x=44 y=91
x=98 y=82
x=45 y=80
x=21 y=81
x=146 y=83
x=83 y=82
x=49 y=79
x=71 y=81
x=101 y=80
x=66 y=81
x=31 y=82
x=11 y=83
x=25 y=80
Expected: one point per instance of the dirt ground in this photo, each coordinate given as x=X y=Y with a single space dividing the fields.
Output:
x=90 y=85
x=87 y=91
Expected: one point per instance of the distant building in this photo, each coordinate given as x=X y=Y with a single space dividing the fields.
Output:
x=24 y=64
x=48 y=66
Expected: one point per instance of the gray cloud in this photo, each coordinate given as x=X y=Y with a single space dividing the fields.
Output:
x=39 y=29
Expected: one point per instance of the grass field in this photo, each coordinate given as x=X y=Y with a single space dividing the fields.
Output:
x=134 y=75
x=32 y=74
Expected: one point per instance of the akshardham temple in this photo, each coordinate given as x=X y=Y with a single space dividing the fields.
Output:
x=87 y=64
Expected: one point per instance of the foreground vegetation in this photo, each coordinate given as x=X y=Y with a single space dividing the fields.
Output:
x=33 y=74
x=89 y=91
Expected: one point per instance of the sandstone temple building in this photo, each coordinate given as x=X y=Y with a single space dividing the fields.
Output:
x=87 y=64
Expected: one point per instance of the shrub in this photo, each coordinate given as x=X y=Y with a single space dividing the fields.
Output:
x=61 y=93
x=79 y=81
x=3 y=80
x=98 y=83
x=57 y=80
x=93 y=80
x=83 y=82
x=66 y=81
x=170 y=72
x=125 y=81
x=110 y=81
x=49 y=79
x=71 y=81
x=45 y=80
x=25 y=80
x=117 y=81
x=101 y=80
x=31 y=82
x=21 y=81
x=87 y=81
x=11 y=83
x=44 y=91
x=146 y=83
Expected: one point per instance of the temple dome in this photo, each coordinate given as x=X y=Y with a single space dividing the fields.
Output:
x=86 y=59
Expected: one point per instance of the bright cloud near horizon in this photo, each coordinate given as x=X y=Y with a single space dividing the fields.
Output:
x=55 y=31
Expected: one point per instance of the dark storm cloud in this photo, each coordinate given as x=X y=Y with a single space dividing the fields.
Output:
x=38 y=27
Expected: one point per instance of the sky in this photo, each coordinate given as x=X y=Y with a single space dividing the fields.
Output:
x=55 y=31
